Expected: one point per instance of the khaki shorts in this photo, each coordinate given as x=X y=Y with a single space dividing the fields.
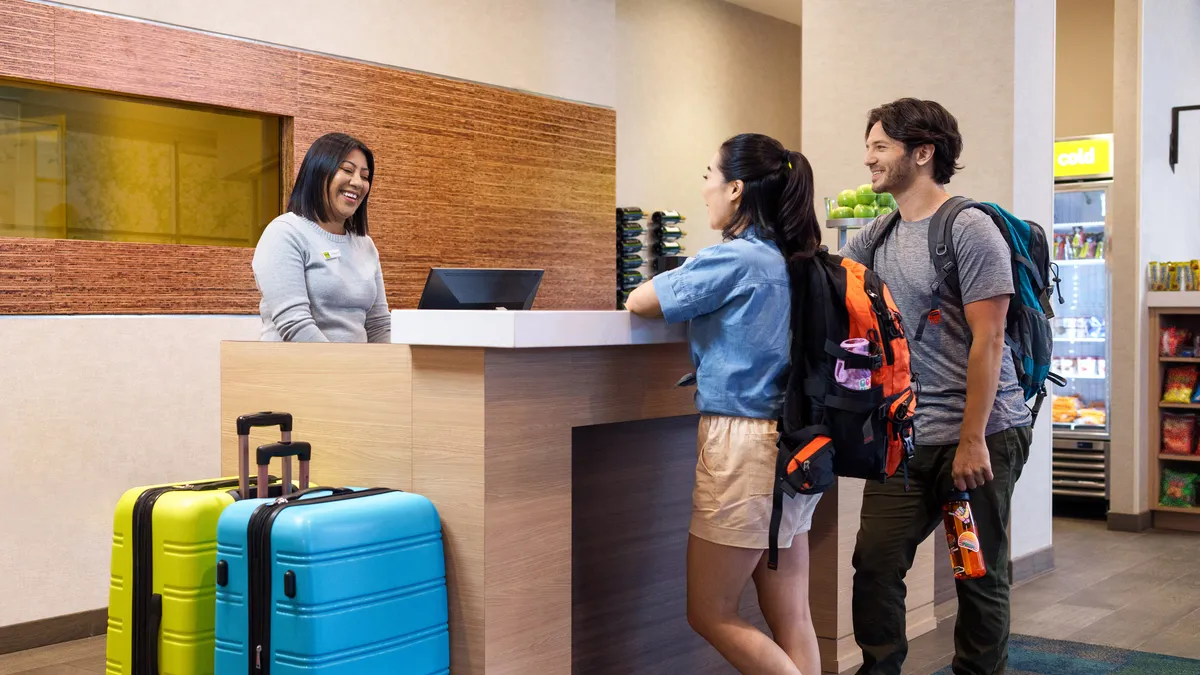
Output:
x=735 y=476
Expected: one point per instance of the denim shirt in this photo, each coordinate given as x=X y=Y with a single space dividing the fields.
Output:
x=736 y=297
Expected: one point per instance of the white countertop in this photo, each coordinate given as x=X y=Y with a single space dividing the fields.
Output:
x=529 y=329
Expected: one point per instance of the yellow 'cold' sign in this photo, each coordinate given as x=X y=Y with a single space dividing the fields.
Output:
x=1083 y=158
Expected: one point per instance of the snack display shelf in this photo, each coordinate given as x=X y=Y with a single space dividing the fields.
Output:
x=1174 y=476
x=1173 y=299
x=1178 y=458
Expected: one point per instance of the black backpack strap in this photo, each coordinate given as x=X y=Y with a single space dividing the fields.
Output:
x=881 y=234
x=942 y=255
x=796 y=429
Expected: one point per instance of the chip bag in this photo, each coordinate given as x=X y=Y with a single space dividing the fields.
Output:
x=1181 y=382
x=1172 y=340
x=1178 y=434
x=1178 y=488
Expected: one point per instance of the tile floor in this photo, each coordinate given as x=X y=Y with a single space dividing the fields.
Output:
x=1135 y=591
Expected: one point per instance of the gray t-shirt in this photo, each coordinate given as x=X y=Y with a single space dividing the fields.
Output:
x=318 y=286
x=940 y=358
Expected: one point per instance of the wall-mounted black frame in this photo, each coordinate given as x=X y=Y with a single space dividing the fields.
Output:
x=1174 y=156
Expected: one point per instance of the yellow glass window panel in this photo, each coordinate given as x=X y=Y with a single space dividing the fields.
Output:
x=84 y=165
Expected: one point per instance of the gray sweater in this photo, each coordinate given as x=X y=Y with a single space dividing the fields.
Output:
x=317 y=286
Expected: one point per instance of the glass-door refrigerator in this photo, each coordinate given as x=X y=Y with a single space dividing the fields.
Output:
x=1081 y=348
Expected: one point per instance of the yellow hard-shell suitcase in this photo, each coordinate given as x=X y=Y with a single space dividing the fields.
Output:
x=162 y=590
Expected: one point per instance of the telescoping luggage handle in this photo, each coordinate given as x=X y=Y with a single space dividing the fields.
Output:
x=298 y=449
x=261 y=419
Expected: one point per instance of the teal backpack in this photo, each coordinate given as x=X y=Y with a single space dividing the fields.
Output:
x=1035 y=279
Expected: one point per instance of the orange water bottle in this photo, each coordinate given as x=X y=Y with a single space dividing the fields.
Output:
x=966 y=556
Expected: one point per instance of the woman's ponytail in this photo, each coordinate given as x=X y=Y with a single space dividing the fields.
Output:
x=799 y=229
x=777 y=202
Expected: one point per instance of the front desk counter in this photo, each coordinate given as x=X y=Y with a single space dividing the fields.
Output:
x=560 y=455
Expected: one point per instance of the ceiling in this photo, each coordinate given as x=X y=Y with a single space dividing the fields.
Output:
x=788 y=10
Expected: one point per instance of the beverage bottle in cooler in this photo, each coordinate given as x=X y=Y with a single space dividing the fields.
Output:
x=966 y=555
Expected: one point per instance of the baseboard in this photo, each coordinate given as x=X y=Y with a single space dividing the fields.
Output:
x=1129 y=522
x=53 y=630
x=1033 y=564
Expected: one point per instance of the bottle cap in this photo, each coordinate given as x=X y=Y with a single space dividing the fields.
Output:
x=959 y=496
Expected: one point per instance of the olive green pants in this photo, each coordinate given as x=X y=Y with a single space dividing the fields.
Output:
x=894 y=523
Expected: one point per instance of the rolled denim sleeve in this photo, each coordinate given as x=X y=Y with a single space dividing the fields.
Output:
x=700 y=286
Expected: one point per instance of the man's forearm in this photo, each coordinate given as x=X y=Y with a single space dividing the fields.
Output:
x=983 y=377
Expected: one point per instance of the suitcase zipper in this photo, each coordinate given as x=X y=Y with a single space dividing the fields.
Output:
x=144 y=636
x=144 y=646
x=258 y=557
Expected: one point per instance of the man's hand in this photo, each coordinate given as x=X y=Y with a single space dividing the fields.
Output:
x=972 y=464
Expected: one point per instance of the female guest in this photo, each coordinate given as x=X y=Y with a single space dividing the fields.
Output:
x=315 y=266
x=736 y=296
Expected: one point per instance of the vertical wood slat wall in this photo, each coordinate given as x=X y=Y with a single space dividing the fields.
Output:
x=467 y=175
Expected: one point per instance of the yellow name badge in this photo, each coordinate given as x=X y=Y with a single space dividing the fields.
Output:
x=1083 y=157
x=331 y=255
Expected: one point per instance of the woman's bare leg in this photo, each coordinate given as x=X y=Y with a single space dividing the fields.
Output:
x=783 y=599
x=716 y=577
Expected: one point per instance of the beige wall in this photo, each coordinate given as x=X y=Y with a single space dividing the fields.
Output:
x=1084 y=68
x=93 y=406
x=691 y=73
x=561 y=49
x=1032 y=527
x=1153 y=40
x=971 y=73
x=1127 y=490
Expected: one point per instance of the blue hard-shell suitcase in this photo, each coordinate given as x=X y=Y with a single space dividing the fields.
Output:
x=330 y=581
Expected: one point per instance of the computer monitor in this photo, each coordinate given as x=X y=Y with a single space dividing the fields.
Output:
x=462 y=288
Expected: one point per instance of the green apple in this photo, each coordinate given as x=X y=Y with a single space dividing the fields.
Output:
x=886 y=199
x=842 y=212
x=847 y=198
x=864 y=210
x=883 y=210
x=865 y=194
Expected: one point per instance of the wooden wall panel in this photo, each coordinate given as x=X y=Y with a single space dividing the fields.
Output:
x=467 y=175
x=93 y=277
x=61 y=276
x=26 y=40
x=134 y=57
x=27 y=276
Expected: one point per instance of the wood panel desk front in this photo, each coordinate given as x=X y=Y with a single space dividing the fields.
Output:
x=560 y=456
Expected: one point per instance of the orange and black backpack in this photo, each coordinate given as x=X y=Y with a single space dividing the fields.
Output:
x=828 y=430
